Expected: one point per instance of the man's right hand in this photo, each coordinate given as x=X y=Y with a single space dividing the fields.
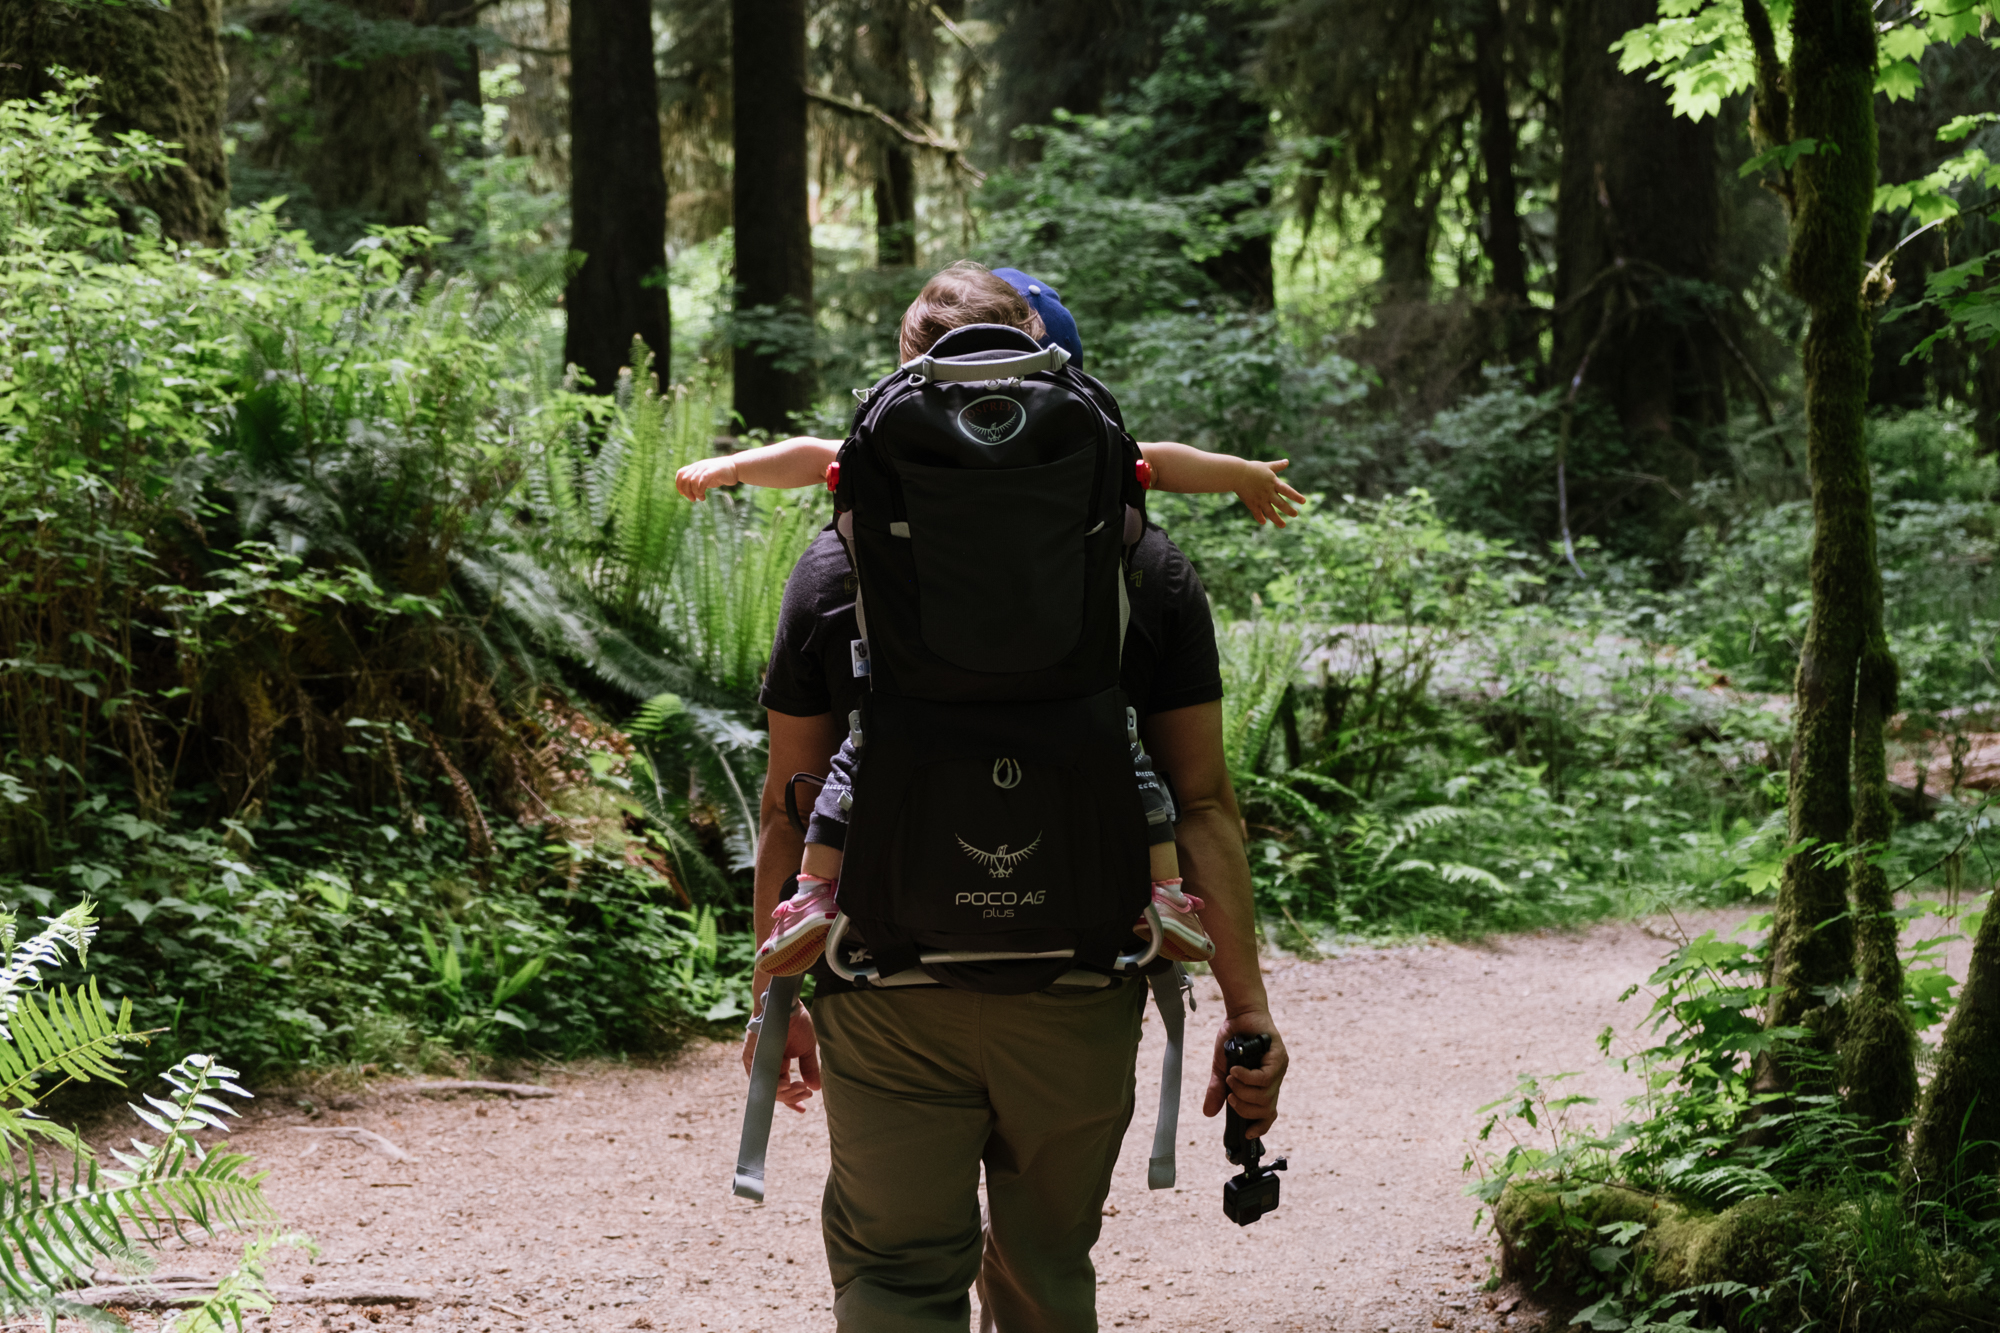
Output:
x=800 y=1045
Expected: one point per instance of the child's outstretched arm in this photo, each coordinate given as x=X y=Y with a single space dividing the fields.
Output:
x=799 y=461
x=1186 y=470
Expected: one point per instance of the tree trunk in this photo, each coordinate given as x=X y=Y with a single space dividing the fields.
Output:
x=1812 y=937
x=1242 y=125
x=774 y=277
x=371 y=158
x=1496 y=155
x=618 y=192
x=895 y=208
x=163 y=74
x=1053 y=55
x=1637 y=221
x=1961 y=1110
x=1405 y=234
x=1638 y=192
x=1877 y=1047
x=895 y=171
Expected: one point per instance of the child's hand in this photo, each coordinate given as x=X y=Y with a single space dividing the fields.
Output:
x=697 y=479
x=1267 y=498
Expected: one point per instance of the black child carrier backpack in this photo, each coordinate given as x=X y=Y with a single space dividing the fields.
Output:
x=997 y=840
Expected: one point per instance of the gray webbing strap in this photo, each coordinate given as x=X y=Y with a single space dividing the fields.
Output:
x=1167 y=995
x=767 y=1064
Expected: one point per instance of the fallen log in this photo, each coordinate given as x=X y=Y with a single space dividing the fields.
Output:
x=516 y=1090
x=169 y=1295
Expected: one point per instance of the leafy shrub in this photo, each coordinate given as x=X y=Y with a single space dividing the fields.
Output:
x=309 y=561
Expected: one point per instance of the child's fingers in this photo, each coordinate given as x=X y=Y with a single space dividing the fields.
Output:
x=1286 y=490
x=1279 y=465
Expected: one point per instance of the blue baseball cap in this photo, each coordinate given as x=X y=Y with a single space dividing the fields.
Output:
x=1047 y=303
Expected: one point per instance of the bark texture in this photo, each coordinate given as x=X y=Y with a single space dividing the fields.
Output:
x=1961 y=1108
x=163 y=73
x=618 y=192
x=773 y=230
x=1832 y=101
x=895 y=170
x=1496 y=155
x=1637 y=217
x=371 y=156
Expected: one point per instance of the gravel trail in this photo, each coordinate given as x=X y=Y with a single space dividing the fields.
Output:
x=608 y=1207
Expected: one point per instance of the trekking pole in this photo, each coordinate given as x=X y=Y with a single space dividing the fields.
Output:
x=767 y=1065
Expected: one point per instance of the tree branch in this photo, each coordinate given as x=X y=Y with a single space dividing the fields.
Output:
x=1772 y=109
x=922 y=137
x=971 y=51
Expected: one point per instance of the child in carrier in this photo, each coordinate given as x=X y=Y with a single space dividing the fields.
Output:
x=967 y=293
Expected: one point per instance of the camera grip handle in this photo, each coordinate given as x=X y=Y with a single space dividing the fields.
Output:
x=1243 y=1051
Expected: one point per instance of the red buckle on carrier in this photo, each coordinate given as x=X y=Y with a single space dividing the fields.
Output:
x=1145 y=473
x=833 y=475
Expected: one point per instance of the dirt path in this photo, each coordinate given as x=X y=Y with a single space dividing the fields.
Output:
x=609 y=1208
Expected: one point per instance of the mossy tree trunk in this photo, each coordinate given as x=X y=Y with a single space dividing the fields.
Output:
x=1846 y=681
x=371 y=157
x=1962 y=1105
x=162 y=72
x=618 y=192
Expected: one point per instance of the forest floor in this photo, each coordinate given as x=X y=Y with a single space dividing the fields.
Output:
x=608 y=1206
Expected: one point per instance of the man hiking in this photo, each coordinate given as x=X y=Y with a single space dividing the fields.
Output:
x=928 y=1083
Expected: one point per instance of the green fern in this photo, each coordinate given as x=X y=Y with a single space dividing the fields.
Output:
x=1259 y=660
x=54 y=1232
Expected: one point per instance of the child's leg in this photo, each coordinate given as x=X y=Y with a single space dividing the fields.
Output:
x=799 y=927
x=826 y=831
x=1161 y=816
x=1185 y=941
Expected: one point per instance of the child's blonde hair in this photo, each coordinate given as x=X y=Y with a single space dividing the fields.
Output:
x=965 y=293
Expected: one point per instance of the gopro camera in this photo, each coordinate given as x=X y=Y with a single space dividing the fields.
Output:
x=1248 y=1196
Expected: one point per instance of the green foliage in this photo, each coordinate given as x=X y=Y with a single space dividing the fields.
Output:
x=1422 y=745
x=1743 y=605
x=1121 y=211
x=1790 y=1197
x=308 y=556
x=61 y=1222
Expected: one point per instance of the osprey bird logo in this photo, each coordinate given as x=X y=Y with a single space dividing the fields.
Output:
x=1000 y=863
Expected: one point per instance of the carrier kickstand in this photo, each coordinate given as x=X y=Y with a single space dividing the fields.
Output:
x=767 y=1064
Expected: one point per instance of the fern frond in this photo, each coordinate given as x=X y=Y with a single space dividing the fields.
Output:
x=1259 y=660
x=27 y=960
x=71 y=1032
x=1407 y=829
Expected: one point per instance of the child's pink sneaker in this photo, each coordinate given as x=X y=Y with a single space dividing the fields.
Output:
x=1185 y=941
x=799 y=927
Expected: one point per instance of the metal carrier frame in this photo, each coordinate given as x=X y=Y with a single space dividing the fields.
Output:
x=916 y=976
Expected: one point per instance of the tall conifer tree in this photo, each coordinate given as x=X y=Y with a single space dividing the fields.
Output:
x=618 y=191
x=774 y=276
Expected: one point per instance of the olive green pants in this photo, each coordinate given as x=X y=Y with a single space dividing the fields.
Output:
x=922 y=1087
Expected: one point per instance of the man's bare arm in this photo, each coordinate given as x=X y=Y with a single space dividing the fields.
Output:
x=798 y=745
x=1187 y=744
